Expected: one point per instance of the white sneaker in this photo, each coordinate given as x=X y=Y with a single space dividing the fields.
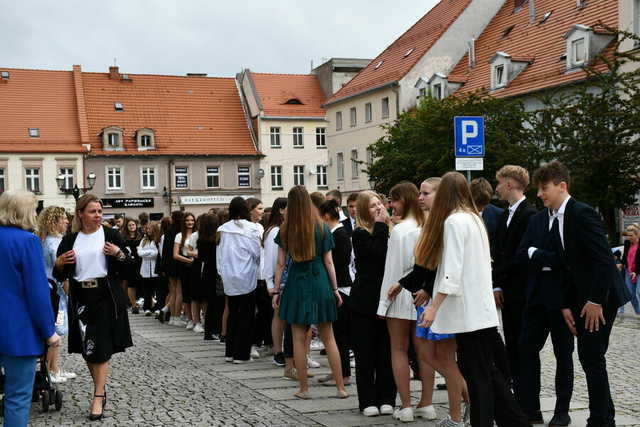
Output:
x=370 y=411
x=56 y=378
x=198 y=328
x=190 y=325
x=179 y=323
x=316 y=344
x=312 y=363
x=254 y=353
x=172 y=322
x=404 y=415
x=240 y=362
x=352 y=363
x=386 y=410
x=427 y=412
x=228 y=359
x=67 y=375
x=147 y=313
x=140 y=301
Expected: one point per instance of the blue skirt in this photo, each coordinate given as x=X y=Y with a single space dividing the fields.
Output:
x=426 y=333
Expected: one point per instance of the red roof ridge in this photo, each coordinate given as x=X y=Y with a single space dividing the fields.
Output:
x=33 y=69
x=283 y=74
x=162 y=75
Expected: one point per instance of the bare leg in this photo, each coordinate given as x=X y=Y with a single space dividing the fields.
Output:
x=399 y=330
x=329 y=341
x=195 y=311
x=225 y=317
x=99 y=373
x=427 y=373
x=131 y=292
x=300 y=349
x=186 y=309
x=53 y=354
x=277 y=329
x=177 y=302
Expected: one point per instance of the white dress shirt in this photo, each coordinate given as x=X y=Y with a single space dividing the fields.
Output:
x=513 y=208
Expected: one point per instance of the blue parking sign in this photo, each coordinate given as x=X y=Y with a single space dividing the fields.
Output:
x=469 y=136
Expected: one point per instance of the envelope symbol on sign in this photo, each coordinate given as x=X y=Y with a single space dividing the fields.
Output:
x=474 y=149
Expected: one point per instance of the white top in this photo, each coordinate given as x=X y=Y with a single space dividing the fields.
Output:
x=91 y=262
x=270 y=257
x=399 y=263
x=261 y=268
x=187 y=242
x=238 y=256
x=342 y=215
x=464 y=274
x=148 y=253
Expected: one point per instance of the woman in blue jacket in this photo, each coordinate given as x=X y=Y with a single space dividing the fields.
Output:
x=25 y=303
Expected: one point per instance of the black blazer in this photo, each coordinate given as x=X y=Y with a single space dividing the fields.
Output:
x=346 y=223
x=627 y=245
x=341 y=255
x=509 y=273
x=547 y=288
x=590 y=266
x=491 y=218
x=370 y=250
x=420 y=278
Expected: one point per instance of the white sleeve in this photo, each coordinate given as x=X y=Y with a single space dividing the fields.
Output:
x=270 y=257
x=452 y=257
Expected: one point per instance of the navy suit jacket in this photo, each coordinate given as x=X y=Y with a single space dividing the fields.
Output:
x=346 y=223
x=491 y=217
x=26 y=313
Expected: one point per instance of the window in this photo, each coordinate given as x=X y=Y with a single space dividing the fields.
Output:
x=181 y=174
x=113 y=140
x=354 y=116
x=114 y=178
x=244 y=176
x=340 y=166
x=321 y=138
x=118 y=106
x=276 y=177
x=112 y=137
x=339 y=120
x=385 y=108
x=321 y=176
x=422 y=92
x=33 y=179
x=378 y=65
x=274 y=135
x=368 y=115
x=34 y=132
x=148 y=178
x=437 y=91
x=213 y=176
x=369 y=156
x=298 y=141
x=407 y=53
x=2 y=180
x=298 y=175
x=145 y=141
x=354 y=164
x=67 y=174
x=578 y=52
x=498 y=78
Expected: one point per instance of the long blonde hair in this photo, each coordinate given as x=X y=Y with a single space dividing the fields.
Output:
x=297 y=232
x=363 y=215
x=48 y=221
x=81 y=205
x=18 y=209
x=453 y=195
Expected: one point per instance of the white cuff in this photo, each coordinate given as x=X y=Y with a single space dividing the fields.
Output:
x=531 y=251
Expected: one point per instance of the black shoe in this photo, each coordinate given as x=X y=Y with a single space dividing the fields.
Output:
x=278 y=359
x=208 y=337
x=222 y=339
x=560 y=419
x=96 y=417
x=441 y=386
x=536 y=418
x=161 y=317
x=135 y=310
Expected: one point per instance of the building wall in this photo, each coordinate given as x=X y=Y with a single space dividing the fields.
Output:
x=165 y=177
x=629 y=17
x=357 y=138
x=310 y=156
x=14 y=165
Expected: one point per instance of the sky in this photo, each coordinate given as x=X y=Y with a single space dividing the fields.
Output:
x=216 y=37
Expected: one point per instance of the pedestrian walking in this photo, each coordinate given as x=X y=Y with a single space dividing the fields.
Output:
x=131 y=280
x=148 y=252
x=184 y=259
x=631 y=263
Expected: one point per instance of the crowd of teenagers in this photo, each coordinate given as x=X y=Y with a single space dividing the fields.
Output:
x=430 y=279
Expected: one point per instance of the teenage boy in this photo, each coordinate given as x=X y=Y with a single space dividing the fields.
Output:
x=350 y=222
x=594 y=290
x=509 y=276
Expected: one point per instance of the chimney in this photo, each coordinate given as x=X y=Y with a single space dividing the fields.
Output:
x=532 y=11
x=472 y=52
x=114 y=73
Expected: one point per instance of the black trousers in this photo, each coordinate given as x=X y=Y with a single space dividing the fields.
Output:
x=372 y=349
x=264 y=315
x=592 y=349
x=240 y=326
x=341 y=334
x=213 y=315
x=539 y=322
x=149 y=289
x=512 y=325
x=491 y=398
x=162 y=290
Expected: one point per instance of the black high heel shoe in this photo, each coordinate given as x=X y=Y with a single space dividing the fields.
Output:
x=96 y=417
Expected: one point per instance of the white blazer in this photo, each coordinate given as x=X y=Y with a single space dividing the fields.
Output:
x=270 y=257
x=148 y=253
x=398 y=263
x=464 y=274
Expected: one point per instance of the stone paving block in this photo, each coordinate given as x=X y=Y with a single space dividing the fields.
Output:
x=354 y=418
x=322 y=404
x=318 y=392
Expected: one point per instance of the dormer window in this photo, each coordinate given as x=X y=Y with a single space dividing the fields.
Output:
x=498 y=75
x=294 y=101
x=145 y=139
x=34 y=132
x=112 y=138
x=118 y=106
x=505 y=68
x=584 y=44
x=578 y=51
x=437 y=91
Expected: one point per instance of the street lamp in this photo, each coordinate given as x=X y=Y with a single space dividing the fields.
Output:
x=75 y=191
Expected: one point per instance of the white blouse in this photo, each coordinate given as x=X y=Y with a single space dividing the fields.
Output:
x=464 y=274
x=91 y=262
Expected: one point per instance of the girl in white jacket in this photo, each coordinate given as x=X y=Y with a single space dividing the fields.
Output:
x=148 y=252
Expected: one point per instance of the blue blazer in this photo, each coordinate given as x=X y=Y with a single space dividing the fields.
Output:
x=26 y=314
x=491 y=217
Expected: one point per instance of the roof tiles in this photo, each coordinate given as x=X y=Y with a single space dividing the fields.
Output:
x=275 y=90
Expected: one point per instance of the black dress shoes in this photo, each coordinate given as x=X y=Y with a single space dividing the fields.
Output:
x=536 y=418
x=560 y=419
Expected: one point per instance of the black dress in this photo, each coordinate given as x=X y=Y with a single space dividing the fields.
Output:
x=102 y=312
x=131 y=268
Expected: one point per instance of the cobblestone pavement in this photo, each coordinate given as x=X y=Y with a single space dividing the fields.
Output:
x=172 y=377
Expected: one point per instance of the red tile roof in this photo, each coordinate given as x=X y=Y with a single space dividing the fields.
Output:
x=543 y=43
x=190 y=115
x=398 y=59
x=38 y=99
x=275 y=90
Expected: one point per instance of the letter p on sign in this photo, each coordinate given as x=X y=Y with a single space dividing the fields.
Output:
x=469 y=130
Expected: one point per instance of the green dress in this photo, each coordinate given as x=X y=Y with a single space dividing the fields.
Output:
x=307 y=297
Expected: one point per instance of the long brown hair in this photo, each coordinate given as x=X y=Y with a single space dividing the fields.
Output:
x=297 y=232
x=407 y=193
x=184 y=227
x=153 y=233
x=126 y=234
x=363 y=216
x=453 y=195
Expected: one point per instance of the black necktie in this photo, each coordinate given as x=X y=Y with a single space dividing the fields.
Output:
x=555 y=232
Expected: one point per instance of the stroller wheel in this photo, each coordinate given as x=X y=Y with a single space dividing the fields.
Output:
x=52 y=395
x=45 y=401
x=58 y=400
